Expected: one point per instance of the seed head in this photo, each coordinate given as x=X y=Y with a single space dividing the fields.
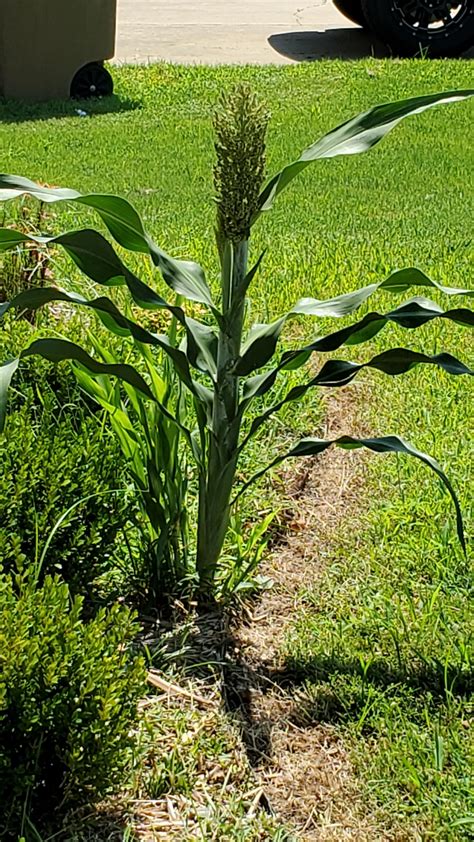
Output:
x=240 y=126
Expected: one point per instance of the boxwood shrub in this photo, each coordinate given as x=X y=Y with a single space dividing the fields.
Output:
x=68 y=703
x=57 y=452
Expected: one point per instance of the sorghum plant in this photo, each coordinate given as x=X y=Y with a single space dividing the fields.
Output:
x=223 y=366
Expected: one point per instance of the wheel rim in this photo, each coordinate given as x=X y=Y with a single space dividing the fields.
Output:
x=432 y=18
x=91 y=81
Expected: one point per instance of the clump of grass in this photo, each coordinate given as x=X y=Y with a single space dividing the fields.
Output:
x=28 y=267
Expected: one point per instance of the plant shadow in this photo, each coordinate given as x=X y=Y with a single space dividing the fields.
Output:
x=327 y=690
x=335 y=689
x=435 y=678
x=18 y=111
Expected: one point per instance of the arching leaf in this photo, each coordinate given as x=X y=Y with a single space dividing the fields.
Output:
x=202 y=347
x=384 y=444
x=122 y=220
x=340 y=372
x=343 y=305
x=355 y=136
x=96 y=258
x=61 y=350
x=111 y=317
x=410 y=315
x=259 y=347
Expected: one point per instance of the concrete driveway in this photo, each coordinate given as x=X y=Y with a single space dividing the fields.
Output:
x=236 y=32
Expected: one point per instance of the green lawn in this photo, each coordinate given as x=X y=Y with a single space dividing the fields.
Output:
x=383 y=641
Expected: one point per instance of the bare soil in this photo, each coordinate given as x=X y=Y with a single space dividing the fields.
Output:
x=305 y=771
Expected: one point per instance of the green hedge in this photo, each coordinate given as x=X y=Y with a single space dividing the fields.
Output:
x=68 y=703
x=56 y=452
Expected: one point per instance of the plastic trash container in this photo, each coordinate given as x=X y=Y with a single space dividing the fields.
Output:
x=53 y=49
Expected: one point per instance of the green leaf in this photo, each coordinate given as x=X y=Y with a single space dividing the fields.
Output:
x=122 y=220
x=410 y=315
x=393 y=362
x=384 y=444
x=206 y=400
x=242 y=290
x=117 y=323
x=399 y=281
x=96 y=258
x=262 y=340
x=111 y=317
x=183 y=276
x=256 y=387
x=60 y=350
x=13 y=186
x=201 y=347
x=10 y=239
x=7 y=370
x=340 y=372
x=355 y=136
x=259 y=347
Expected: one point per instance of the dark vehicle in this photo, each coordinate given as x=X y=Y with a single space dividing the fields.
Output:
x=415 y=27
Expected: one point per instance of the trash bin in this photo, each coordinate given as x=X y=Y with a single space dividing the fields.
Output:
x=53 y=49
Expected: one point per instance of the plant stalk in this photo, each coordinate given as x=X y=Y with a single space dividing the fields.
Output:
x=216 y=485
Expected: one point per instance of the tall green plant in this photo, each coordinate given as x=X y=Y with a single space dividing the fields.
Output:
x=223 y=367
x=151 y=443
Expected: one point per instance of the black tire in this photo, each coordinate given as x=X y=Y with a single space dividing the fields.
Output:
x=92 y=80
x=352 y=10
x=437 y=28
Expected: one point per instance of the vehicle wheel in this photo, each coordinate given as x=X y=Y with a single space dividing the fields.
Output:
x=92 y=80
x=413 y=27
x=351 y=9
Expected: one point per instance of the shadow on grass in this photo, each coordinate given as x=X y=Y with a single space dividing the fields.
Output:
x=329 y=690
x=350 y=44
x=336 y=690
x=16 y=111
x=436 y=678
x=323 y=690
